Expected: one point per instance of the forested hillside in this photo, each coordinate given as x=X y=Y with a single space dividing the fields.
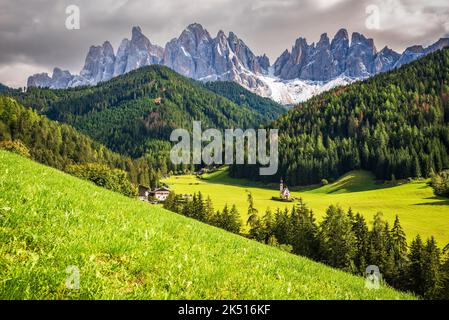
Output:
x=136 y=112
x=395 y=124
x=236 y=93
x=60 y=146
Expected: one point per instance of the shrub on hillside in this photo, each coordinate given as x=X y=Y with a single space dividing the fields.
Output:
x=15 y=146
x=440 y=183
x=103 y=176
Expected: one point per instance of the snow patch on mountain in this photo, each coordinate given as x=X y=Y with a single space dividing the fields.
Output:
x=290 y=92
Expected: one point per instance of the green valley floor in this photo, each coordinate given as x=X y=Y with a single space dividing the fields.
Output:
x=419 y=210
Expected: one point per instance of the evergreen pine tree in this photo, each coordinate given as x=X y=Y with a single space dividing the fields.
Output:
x=361 y=232
x=378 y=252
x=415 y=268
x=253 y=218
x=305 y=240
x=444 y=292
x=209 y=210
x=399 y=251
x=431 y=268
x=234 y=224
x=338 y=242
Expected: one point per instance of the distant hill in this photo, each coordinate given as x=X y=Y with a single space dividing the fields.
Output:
x=244 y=97
x=127 y=249
x=3 y=88
x=395 y=124
x=136 y=112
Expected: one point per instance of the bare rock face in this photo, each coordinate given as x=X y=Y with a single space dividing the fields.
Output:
x=121 y=60
x=440 y=44
x=319 y=64
x=264 y=63
x=191 y=53
x=60 y=79
x=361 y=54
x=244 y=55
x=39 y=80
x=141 y=52
x=197 y=55
x=280 y=63
x=289 y=65
x=410 y=54
x=339 y=49
x=222 y=56
x=99 y=64
x=385 y=60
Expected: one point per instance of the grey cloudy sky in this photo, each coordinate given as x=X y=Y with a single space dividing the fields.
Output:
x=33 y=36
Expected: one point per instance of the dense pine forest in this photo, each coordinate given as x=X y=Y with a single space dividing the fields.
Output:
x=243 y=97
x=60 y=146
x=395 y=124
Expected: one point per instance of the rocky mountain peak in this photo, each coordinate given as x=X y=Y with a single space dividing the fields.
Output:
x=199 y=33
x=385 y=60
x=341 y=34
x=264 y=63
x=221 y=34
x=39 y=80
x=415 y=49
x=324 y=41
x=138 y=38
x=108 y=49
x=136 y=33
x=60 y=78
x=99 y=64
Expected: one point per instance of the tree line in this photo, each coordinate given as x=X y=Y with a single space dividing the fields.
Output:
x=342 y=240
x=203 y=210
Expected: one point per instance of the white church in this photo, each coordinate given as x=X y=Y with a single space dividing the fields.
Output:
x=284 y=192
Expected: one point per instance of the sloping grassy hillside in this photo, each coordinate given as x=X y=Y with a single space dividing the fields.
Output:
x=419 y=210
x=127 y=249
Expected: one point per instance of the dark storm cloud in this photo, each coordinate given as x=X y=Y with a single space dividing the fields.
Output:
x=33 y=36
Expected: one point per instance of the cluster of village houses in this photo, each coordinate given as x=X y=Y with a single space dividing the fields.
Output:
x=160 y=194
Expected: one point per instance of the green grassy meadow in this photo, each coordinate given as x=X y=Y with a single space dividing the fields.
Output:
x=127 y=249
x=419 y=210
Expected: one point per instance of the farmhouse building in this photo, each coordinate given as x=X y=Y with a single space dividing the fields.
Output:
x=144 y=192
x=160 y=194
